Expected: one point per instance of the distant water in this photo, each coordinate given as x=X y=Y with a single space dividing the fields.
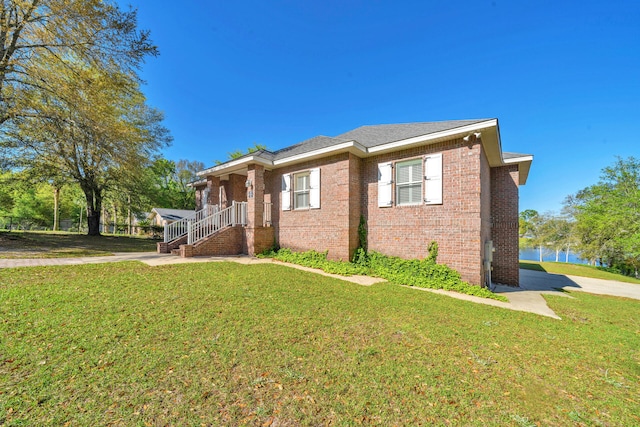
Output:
x=534 y=255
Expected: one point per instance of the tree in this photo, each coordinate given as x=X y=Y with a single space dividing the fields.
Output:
x=239 y=153
x=28 y=199
x=168 y=183
x=72 y=33
x=607 y=216
x=526 y=221
x=555 y=232
x=186 y=173
x=96 y=129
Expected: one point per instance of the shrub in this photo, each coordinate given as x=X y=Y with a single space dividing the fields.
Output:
x=425 y=273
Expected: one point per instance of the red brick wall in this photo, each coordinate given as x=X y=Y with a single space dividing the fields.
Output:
x=225 y=242
x=258 y=240
x=504 y=230
x=199 y=189
x=235 y=188
x=327 y=228
x=406 y=231
x=485 y=209
x=165 y=248
x=355 y=202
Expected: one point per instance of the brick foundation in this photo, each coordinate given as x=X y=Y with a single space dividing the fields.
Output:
x=228 y=241
x=258 y=239
x=165 y=248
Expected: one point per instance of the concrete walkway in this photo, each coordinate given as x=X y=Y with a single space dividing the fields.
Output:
x=528 y=297
x=155 y=259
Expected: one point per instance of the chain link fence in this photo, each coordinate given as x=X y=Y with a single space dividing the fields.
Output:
x=9 y=223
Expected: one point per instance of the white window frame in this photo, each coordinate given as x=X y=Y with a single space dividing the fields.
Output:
x=411 y=183
x=306 y=190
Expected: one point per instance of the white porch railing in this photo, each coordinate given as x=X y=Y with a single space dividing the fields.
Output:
x=266 y=216
x=236 y=214
x=179 y=228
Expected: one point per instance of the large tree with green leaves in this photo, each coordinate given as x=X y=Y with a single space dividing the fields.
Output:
x=71 y=33
x=96 y=129
x=607 y=216
x=167 y=183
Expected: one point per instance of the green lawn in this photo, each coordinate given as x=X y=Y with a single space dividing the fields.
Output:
x=576 y=270
x=225 y=344
x=28 y=244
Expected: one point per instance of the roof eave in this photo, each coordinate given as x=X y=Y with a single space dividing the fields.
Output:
x=524 y=165
x=234 y=165
x=435 y=137
x=349 y=146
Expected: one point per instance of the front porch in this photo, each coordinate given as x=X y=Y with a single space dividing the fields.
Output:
x=233 y=218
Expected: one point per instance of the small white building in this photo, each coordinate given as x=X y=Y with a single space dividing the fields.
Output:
x=162 y=216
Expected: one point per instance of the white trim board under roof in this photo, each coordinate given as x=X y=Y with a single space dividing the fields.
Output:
x=367 y=141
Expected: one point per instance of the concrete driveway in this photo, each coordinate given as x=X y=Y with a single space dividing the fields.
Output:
x=541 y=281
x=528 y=297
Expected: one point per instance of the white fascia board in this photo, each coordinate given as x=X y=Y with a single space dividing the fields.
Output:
x=234 y=164
x=524 y=165
x=352 y=146
x=434 y=136
x=518 y=159
x=194 y=184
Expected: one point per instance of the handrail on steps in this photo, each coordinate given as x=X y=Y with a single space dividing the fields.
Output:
x=236 y=214
x=178 y=229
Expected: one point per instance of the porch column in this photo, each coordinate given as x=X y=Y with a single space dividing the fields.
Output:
x=257 y=237
x=255 y=196
x=213 y=185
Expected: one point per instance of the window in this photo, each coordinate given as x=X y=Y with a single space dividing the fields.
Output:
x=306 y=190
x=301 y=190
x=409 y=182
x=408 y=178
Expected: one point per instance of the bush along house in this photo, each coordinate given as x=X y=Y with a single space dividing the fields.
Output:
x=413 y=183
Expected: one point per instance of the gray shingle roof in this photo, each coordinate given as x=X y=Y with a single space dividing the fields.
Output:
x=172 y=214
x=315 y=143
x=367 y=136
x=371 y=136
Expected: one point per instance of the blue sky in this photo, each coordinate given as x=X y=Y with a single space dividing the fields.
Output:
x=563 y=78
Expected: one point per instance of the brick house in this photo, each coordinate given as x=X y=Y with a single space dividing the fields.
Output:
x=413 y=183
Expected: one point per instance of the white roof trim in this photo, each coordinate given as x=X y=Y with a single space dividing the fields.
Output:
x=358 y=149
x=437 y=135
x=235 y=163
x=518 y=159
x=524 y=165
x=343 y=146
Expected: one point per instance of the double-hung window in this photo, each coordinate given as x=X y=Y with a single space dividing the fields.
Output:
x=409 y=182
x=301 y=187
x=412 y=182
x=301 y=190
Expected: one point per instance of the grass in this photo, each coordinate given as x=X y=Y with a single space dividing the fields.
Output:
x=224 y=344
x=27 y=244
x=409 y=272
x=582 y=270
